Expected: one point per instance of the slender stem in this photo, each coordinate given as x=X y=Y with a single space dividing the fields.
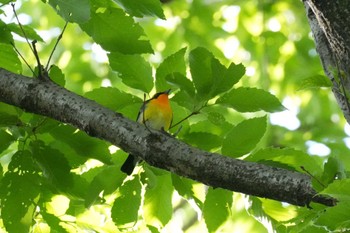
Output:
x=54 y=48
x=14 y=47
x=20 y=26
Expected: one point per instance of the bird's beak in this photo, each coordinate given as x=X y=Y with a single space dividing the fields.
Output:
x=168 y=91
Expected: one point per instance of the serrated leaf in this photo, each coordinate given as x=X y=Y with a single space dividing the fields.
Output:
x=112 y=98
x=316 y=81
x=77 y=11
x=9 y=59
x=126 y=33
x=174 y=63
x=244 y=99
x=224 y=78
x=157 y=205
x=126 y=206
x=244 y=137
x=200 y=66
x=133 y=70
x=142 y=8
x=57 y=76
x=182 y=82
x=216 y=208
x=30 y=33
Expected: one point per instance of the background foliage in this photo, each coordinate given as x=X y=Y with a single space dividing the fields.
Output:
x=55 y=177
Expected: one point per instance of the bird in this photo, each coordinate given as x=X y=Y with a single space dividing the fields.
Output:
x=155 y=113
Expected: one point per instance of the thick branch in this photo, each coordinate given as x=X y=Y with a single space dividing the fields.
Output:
x=330 y=25
x=158 y=149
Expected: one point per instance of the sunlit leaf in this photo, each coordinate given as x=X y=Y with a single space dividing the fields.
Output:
x=246 y=99
x=9 y=59
x=174 y=63
x=126 y=206
x=77 y=11
x=216 y=208
x=157 y=205
x=142 y=8
x=126 y=33
x=133 y=70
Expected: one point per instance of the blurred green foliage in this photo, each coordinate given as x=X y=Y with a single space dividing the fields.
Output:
x=247 y=71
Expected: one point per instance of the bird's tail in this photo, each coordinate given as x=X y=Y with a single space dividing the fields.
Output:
x=129 y=164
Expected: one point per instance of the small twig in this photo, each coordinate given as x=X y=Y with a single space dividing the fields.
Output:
x=191 y=114
x=20 y=26
x=36 y=55
x=54 y=48
x=313 y=177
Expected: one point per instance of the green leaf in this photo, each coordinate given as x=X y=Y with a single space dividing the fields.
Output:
x=245 y=99
x=112 y=98
x=182 y=82
x=126 y=33
x=21 y=178
x=108 y=180
x=57 y=76
x=224 y=78
x=8 y=120
x=82 y=144
x=157 y=205
x=316 y=81
x=339 y=189
x=216 y=208
x=287 y=156
x=54 y=165
x=30 y=33
x=244 y=137
x=5 y=34
x=200 y=66
x=126 y=206
x=133 y=70
x=336 y=218
x=53 y=222
x=142 y=8
x=184 y=187
x=203 y=140
x=174 y=63
x=77 y=11
x=6 y=140
x=9 y=59
x=333 y=169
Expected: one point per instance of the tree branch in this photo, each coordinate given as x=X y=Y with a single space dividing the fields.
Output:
x=158 y=149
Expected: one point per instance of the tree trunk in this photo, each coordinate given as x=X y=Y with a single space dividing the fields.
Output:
x=330 y=25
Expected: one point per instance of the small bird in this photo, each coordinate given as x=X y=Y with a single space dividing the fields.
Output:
x=155 y=113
